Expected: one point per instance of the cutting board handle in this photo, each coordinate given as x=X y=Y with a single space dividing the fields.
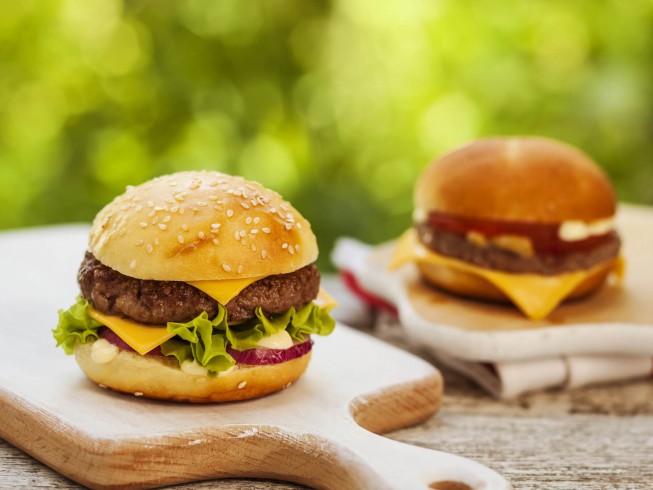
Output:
x=401 y=466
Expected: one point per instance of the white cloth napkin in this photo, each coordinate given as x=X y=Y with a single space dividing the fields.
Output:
x=501 y=379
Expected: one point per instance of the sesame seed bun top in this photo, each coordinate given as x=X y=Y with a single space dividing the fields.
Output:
x=529 y=179
x=201 y=225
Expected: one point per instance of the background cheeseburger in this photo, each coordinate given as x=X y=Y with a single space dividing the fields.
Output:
x=197 y=286
x=527 y=220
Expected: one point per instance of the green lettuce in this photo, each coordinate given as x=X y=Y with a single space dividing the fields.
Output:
x=201 y=339
x=75 y=325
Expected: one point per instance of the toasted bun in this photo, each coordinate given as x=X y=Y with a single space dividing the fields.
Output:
x=193 y=226
x=161 y=378
x=473 y=286
x=522 y=179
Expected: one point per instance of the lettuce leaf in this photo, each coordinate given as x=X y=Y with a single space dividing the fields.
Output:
x=196 y=340
x=75 y=325
x=201 y=339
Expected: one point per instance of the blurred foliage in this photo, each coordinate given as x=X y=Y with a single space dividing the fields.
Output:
x=338 y=105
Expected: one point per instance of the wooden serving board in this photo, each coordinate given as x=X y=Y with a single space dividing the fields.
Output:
x=319 y=432
x=616 y=320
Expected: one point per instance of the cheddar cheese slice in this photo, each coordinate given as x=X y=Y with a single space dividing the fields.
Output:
x=535 y=295
x=325 y=300
x=224 y=290
x=141 y=338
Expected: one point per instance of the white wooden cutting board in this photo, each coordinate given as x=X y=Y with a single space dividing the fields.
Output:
x=618 y=320
x=312 y=433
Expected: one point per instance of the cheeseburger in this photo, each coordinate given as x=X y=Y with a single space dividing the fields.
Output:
x=525 y=220
x=199 y=287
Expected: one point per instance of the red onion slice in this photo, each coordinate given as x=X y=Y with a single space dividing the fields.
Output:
x=263 y=356
x=251 y=357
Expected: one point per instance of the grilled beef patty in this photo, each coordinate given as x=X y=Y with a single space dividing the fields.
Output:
x=493 y=257
x=159 y=302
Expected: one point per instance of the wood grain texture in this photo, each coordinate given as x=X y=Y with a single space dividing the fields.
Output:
x=595 y=438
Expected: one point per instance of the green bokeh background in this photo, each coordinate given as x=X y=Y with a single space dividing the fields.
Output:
x=338 y=105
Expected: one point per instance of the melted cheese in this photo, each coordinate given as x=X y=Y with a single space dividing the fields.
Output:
x=535 y=295
x=325 y=300
x=225 y=290
x=141 y=338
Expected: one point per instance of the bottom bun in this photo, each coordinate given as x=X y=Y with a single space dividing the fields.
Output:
x=474 y=286
x=160 y=378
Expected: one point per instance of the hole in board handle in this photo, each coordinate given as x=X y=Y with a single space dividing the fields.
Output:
x=449 y=485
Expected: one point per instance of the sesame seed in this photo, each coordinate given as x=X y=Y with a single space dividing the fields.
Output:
x=149 y=248
x=162 y=226
x=288 y=226
x=173 y=183
x=156 y=240
x=242 y=384
x=213 y=183
x=139 y=243
x=213 y=198
x=200 y=235
x=264 y=253
x=138 y=207
x=253 y=231
x=237 y=235
x=132 y=264
x=166 y=219
x=285 y=245
x=181 y=210
x=122 y=232
x=253 y=248
x=245 y=205
x=256 y=220
x=297 y=247
x=170 y=200
x=248 y=220
x=243 y=242
x=282 y=206
x=138 y=393
x=240 y=269
x=291 y=250
x=217 y=208
x=155 y=220
x=158 y=208
x=299 y=225
x=150 y=204
x=179 y=197
x=215 y=226
x=180 y=238
x=216 y=241
x=226 y=268
x=174 y=209
x=250 y=187
x=230 y=213
x=273 y=210
x=242 y=233
x=201 y=204
x=143 y=224
x=265 y=230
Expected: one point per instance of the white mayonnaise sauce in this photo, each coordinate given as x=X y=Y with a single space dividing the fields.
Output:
x=103 y=351
x=571 y=231
x=280 y=340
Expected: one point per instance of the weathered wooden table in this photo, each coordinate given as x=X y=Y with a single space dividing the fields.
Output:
x=594 y=438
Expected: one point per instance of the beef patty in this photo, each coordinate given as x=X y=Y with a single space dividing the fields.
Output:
x=159 y=302
x=493 y=257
